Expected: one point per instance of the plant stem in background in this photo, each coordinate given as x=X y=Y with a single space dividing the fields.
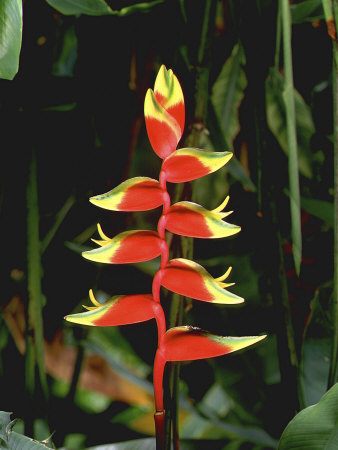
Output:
x=60 y=216
x=334 y=354
x=35 y=323
x=288 y=96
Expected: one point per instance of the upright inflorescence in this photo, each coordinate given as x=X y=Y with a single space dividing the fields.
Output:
x=165 y=116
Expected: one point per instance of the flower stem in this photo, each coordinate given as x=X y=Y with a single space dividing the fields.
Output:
x=159 y=418
x=159 y=364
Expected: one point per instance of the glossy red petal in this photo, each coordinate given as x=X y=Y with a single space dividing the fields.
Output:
x=188 y=343
x=181 y=277
x=118 y=310
x=190 y=219
x=191 y=280
x=163 y=140
x=185 y=222
x=128 y=247
x=188 y=164
x=178 y=112
x=135 y=194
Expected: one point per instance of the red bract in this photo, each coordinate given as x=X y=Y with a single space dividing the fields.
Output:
x=128 y=247
x=191 y=280
x=136 y=194
x=190 y=219
x=189 y=343
x=118 y=310
x=188 y=164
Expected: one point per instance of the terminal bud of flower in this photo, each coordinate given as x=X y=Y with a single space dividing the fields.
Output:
x=164 y=113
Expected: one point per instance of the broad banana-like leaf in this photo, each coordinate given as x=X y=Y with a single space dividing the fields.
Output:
x=12 y=440
x=315 y=427
x=10 y=37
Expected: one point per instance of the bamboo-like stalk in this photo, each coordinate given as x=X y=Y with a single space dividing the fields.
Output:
x=334 y=354
x=60 y=216
x=289 y=100
x=35 y=321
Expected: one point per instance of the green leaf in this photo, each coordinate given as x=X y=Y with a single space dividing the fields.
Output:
x=149 y=444
x=90 y=401
x=89 y=7
x=319 y=208
x=276 y=116
x=10 y=37
x=99 y=7
x=218 y=142
x=228 y=91
x=216 y=403
x=114 y=346
x=196 y=427
x=316 y=349
x=59 y=218
x=306 y=11
x=139 y=444
x=17 y=441
x=130 y=414
x=288 y=95
x=5 y=418
x=13 y=440
x=222 y=118
x=314 y=428
x=316 y=364
x=75 y=440
x=328 y=10
x=64 y=65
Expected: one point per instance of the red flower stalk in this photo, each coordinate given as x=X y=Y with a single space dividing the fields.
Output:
x=164 y=117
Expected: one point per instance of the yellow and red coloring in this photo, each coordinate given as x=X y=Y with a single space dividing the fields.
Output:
x=165 y=116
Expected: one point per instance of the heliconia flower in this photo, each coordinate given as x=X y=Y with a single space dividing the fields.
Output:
x=128 y=247
x=187 y=343
x=188 y=164
x=164 y=113
x=135 y=194
x=191 y=219
x=118 y=310
x=190 y=279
